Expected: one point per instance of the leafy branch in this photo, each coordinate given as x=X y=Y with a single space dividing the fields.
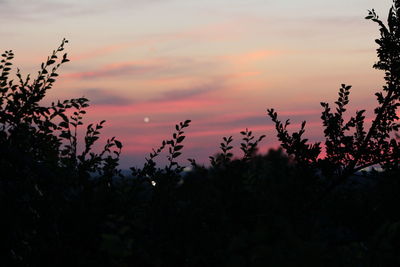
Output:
x=249 y=147
x=224 y=157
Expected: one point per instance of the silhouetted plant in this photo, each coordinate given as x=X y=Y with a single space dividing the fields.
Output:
x=150 y=171
x=249 y=147
x=224 y=157
x=39 y=161
x=175 y=145
x=295 y=144
x=349 y=147
x=21 y=114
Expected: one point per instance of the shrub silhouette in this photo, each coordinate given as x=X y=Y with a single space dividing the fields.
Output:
x=349 y=146
x=64 y=207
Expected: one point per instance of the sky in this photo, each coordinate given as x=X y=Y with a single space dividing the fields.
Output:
x=146 y=65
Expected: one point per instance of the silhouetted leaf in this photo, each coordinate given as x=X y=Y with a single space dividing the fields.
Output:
x=118 y=144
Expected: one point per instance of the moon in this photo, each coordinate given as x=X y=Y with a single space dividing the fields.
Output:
x=146 y=119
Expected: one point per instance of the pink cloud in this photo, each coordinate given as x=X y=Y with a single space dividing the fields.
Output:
x=117 y=69
x=155 y=107
x=299 y=112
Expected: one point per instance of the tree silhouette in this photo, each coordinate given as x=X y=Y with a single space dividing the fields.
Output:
x=42 y=173
x=349 y=146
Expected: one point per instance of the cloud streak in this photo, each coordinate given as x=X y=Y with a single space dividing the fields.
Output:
x=42 y=9
x=168 y=100
x=180 y=94
x=119 y=69
x=159 y=107
x=104 y=97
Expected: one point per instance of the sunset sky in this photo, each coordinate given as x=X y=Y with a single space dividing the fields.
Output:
x=220 y=63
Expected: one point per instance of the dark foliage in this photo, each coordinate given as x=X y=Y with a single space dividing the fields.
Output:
x=349 y=146
x=66 y=205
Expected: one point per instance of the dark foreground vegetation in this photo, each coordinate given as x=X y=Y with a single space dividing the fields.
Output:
x=61 y=206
